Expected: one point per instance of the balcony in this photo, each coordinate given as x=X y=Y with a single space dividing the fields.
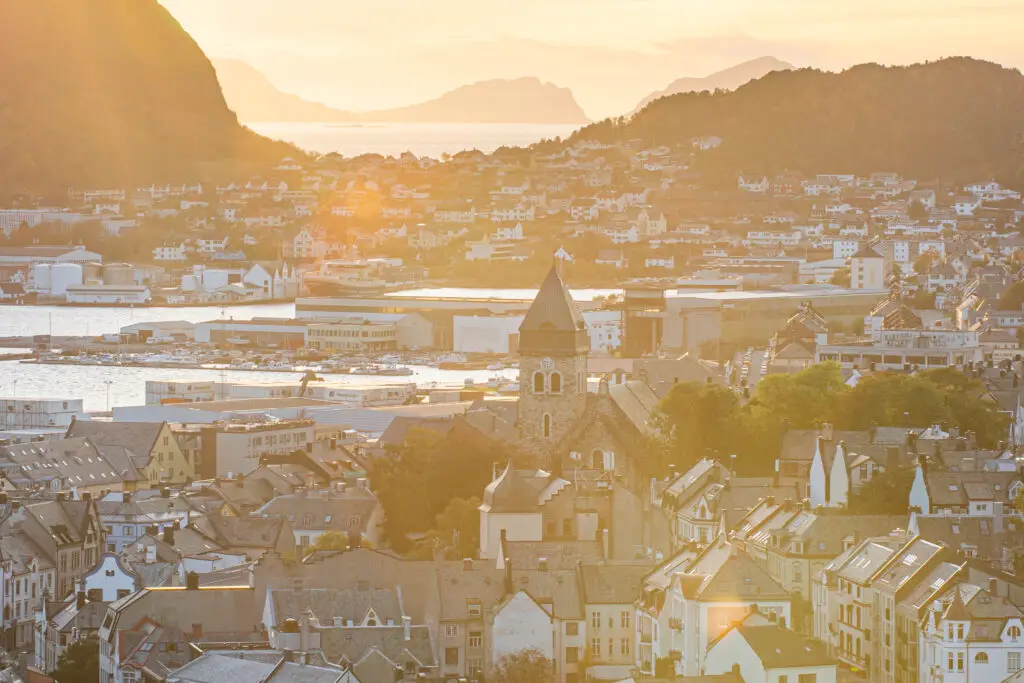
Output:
x=675 y=624
x=646 y=638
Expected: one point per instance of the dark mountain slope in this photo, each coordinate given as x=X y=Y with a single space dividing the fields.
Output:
x=727 y=79
x=110 y=93
x=956 y=119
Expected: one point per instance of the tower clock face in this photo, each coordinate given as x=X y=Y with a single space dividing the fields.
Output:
x=547 y=363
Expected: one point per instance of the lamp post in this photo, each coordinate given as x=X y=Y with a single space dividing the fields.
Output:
x=108 y=383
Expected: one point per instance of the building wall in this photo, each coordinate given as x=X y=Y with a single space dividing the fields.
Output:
x=110 y=579
x=538 y=434
x=521 y=624
x=517 y=527
x=613 y=630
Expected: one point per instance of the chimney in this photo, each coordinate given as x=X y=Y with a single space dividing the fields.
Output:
x=872 y=432
x=605 y=544
x=993 y=586
x=165 y=492
x=60 y=495
x=86 y=496
x=912 y=440
x=467 y=564
x=407 y=628
x=304 y=631
x=542 y=564
x=192 y=581
x=152 y=530
x=169 y=535
x=126 y=497
x=827 y=431
x=508 y=577
x=80 y=600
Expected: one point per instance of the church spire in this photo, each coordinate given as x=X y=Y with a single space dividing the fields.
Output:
x=554 y=324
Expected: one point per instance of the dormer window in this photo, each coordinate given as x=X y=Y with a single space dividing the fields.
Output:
x=1013 y=633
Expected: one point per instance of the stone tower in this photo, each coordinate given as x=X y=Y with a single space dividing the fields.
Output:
x=553 y=348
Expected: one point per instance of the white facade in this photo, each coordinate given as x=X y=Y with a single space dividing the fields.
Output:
x=107 y=294
x=110 y=579
x=170 y=252
x=521 y=624
x=867 y=272
x=36 y=413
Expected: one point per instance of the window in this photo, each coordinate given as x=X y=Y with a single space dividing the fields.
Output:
x=1013 y=632
x=476 y=639
x=546 y=425
x=595 y=620
x=474 y=666
x=474 y=608
x=624 y=619
x=595 y=647
x=451 y=656
x=624 y=646
x=959 y=631
x=807 y=678
x=783 y=678
x=572 y=628
x=1012 y=662
x=556 y=382
x=538 y=382
x=451 y=630
x=572 y=655
x=981 y=658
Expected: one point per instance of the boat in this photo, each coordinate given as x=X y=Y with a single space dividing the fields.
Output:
x=348 y=277
x=237 y=340
x=383 y=370
x=494 y=367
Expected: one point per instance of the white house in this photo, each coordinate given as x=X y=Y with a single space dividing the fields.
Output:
x=521 y=623
x=770 y=653
x=971 y=635
x=755 y=184
x=170 y=252
x=110 y=580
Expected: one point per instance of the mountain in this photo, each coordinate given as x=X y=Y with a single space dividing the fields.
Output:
x=117 y=93
x=957 y=119
x=523 y=100
x=729 y=79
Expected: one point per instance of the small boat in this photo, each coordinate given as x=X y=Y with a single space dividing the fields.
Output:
x=237 y=340
x=494 y=367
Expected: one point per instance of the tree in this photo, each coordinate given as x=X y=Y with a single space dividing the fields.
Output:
x=331 y=540
x=1013 y=298
x=917 y=210
x=840 y=278
x=886 y=493
x=456 y=532
x=417 y=481
x=923 y=264
x=698 y=419
x=80 y=663
x=527 y=666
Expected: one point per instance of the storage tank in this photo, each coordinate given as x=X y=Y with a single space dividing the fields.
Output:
x=119 y=274
x=92 y=273
x=41 y=277
x=64 y=275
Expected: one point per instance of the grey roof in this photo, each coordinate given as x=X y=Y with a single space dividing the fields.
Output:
x=241 y=532
x=612 y=584
x=509 y=493
x=865 y=561
x=76 y=462
x=217 y=667
x=553 y=323
x=559 y=554
x=139 y=437
x=907 y=562
x=342 y=603
x=352 y=644
x=778 y=647
x=332 y=511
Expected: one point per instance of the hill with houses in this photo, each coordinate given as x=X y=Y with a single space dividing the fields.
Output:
x=954 y=119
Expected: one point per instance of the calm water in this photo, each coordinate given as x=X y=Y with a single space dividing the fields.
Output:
x=128 y=385
x=422 y=139
x=67 y=321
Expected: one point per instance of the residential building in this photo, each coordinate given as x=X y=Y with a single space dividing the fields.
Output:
x=150 y=445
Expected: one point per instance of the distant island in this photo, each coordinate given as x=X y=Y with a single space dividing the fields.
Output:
x=957 y=119
x=130 y=100
x=728 y=79
x=522 y=100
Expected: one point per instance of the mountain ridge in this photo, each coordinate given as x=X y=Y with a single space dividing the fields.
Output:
x=726 y=79
x=521 y=100
x=955 y=119
x=128 y=98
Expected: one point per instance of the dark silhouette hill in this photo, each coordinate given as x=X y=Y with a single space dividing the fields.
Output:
x=727 y=79
x=109 y=93
x=956 y=119
x=522 y=100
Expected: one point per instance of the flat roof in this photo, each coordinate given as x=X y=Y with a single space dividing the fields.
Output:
x=254 y=404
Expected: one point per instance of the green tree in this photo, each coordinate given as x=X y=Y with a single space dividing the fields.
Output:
x=331 y=540
x=917 y=210
x=840 y=278
x=1013 y=298
x=697 y=419
x=80 y=663
x=417 y=481
x=456 y=532
x=527 y=666
x=923 y=264
x=885 y=494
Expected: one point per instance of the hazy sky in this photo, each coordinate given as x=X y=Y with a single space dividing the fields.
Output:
x=367 y=54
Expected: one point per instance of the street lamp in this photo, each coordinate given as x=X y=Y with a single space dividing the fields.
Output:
x=108 y=383
x=15 y=382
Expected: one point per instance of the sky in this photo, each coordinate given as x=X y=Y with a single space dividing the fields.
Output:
x=374 y=54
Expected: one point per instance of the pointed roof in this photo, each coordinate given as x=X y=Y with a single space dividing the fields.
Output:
x=509 y=493
x=867 y=251
x=956 y=611
x=554 y=323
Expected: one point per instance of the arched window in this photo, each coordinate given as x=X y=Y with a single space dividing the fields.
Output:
x=981 y=658
x=556 y=382
x=538 y=382
x=1013 y=632
x=546 y=425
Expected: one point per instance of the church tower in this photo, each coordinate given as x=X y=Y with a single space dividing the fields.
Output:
x=553 y=348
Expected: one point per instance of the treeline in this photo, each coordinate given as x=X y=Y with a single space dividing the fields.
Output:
x=956 y=120
x=709 y=420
